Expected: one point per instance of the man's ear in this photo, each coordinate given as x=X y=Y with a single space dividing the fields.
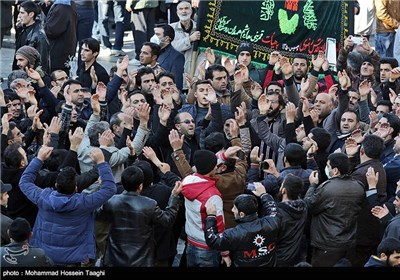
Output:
x=241 y=214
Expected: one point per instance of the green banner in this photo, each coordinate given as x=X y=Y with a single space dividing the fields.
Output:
x=290 y=26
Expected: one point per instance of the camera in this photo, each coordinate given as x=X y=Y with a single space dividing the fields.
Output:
x=357 y=40
x=263 y=165
x=240 y=154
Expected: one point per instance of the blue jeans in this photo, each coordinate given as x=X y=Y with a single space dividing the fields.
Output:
x=384 y=42
x=199 y=257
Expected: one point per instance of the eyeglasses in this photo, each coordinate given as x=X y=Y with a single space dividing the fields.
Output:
x=272 y=91
x=188 y=121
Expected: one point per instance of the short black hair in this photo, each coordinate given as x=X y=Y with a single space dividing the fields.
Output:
x=19 y=230
x=92 y=44
x=246 y=203
x=70 y=82
x=302 y=56
x=340 y=161
x=168 y=31
x=30 y=6
x=131 y=178
x=294 y=154
x=215 y=67
x=141 y=72
x=215 y=142
x=294 y=186
x=165 y=74
x=390 y=60
x=384 y=102
x=394 y=122
x=66 y=180
x=388 y=246
x=56 y=159
x=373 y=146
x=155 y=49
x=148 y=175
x=12 y=157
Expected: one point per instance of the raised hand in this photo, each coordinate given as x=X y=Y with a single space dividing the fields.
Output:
x=101 y=90
x=364 y=89
x=176 y=141
x=164 y=112
x=357 y=135
x=210 y=56
x=240 y=116
x=123 y=64
x=256 y=90
x=130 y=145
x=106 y=138
x=144 y=114
x=351 y=146
x=76 y=138
x=254 y=158
x=96 y=155
x=44 y=153
x=55 y=125
x=379 y=211
x=274 y=57
x=263 y=104
x=229 y=66
x=286 y=67
x=212 y=95
x=32 y=73
x=372 y=177
x=149 y=153
x=291 y=112
x=94 y=102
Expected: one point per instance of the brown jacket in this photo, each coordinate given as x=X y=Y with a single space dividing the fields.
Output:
x=229 y=184
x=387 y=15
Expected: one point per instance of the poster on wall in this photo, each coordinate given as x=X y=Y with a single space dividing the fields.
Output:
x=288 y=26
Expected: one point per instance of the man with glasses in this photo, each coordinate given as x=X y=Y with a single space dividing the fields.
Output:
x=193 y=136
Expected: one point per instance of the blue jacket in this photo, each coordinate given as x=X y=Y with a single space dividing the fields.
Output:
x=64 y=226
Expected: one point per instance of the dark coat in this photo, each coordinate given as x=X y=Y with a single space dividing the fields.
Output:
x=60 y=28
x=132 y=218
x=334 y=206
x=22 y=255
x=252 y=241
x=173 y=61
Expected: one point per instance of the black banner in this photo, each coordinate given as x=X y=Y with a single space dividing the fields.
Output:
x=291 y=26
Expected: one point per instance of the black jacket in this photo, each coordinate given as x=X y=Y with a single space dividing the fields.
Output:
x=293 y=217
x=252 y=242
x=132 y=218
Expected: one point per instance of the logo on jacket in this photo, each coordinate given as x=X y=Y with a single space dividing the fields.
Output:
x=10 y=255
x=261 y=250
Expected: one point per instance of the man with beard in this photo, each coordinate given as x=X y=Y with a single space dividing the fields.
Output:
x=388 y=254
x=185 y=34
x=270 y=107
x=388 y=78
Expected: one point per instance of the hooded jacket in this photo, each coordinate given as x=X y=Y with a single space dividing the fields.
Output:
x=199 y=191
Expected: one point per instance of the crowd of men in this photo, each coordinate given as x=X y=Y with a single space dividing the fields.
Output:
x=294 y=164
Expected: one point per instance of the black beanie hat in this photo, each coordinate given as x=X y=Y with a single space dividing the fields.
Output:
x=245 y=46
x=205 y=161
x=368 y=58
x=322 y=137
x=215 y=142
